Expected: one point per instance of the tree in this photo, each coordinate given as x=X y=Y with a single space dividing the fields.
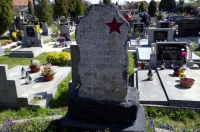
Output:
x=44 y=11
x=152 y=8
x=107 y=1
x=79 y=9
x=142 y=7
x=30 y=8
x=6 y=15
x=72 y=5
x=116 y=3
x=61 y=7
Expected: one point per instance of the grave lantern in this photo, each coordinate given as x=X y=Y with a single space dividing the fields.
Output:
x=153 y=48
x=23 y=73
x=150 y=74
x=162 y=64
x=28 y=78
x=172 y=62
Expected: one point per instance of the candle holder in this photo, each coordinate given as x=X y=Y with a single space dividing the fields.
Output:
x=162 y=64
x=172 y=62
x=150 y=74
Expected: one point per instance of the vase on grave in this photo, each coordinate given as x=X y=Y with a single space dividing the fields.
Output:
x=48 y=78
x=176 y=73
x=187 y=82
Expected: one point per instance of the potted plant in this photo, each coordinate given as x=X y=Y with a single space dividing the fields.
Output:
x=48 y=72
x=176 y=70
x=35 y=66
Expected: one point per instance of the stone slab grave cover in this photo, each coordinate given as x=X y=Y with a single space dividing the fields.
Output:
x=104 y=99
x=189 y=27
x=160 y=35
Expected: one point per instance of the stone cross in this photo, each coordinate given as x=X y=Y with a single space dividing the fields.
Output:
x=103 y=65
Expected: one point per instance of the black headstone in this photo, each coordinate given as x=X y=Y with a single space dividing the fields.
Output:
x=138 y=27
x=160 y=36
x=164 y=25
x=170 y=51
x=30 y=32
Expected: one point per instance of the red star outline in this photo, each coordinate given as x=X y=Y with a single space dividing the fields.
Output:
x=114 y=26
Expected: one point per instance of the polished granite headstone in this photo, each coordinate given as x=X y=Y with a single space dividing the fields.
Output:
x=103 y=99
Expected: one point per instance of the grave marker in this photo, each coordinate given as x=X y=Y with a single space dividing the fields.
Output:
x=138 y=27
x=189 y=27
x=160 y=36
x=103 y=94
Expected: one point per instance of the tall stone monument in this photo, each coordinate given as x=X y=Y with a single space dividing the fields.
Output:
x=103 y=100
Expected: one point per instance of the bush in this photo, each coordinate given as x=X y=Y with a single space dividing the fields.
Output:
x=59 y=58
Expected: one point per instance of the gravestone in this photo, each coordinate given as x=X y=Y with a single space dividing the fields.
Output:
x=139 y=27
x=32 y=44
x=33 y=18
x=163 y=24
x=12 y=28
x=189 y=27
x=169 y=51
x=45 y=30
x=1 y=51
x=159 y=35
x=176 y=18
x=103 y=99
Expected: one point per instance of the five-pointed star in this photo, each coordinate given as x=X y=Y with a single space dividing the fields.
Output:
x=114 y=26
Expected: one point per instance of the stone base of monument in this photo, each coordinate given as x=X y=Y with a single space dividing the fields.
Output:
x=30 y=52
x=89 y=114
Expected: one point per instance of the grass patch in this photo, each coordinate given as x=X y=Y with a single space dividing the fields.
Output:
x=12 y=61
x=73 y=37
x=53 y=27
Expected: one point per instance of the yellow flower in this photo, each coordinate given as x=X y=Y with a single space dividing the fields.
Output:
x=182 y=74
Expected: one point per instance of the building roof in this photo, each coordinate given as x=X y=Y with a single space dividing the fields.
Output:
x=21 y=2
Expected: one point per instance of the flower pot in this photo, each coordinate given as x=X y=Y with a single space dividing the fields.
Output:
x=187 y=82
x=48 y=78
x=176 y=73
x=35 y=69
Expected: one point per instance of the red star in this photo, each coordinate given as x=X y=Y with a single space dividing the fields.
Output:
x=114 y=26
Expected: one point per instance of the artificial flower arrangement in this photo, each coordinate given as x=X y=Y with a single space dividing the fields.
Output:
x=47 y=70
x=14 y=35
x=176 y=68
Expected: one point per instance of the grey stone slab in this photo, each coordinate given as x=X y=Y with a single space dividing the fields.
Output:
x=1 y=51
x=151 y=92
x=27 y=52
x=178 y=95
x=101 y=44
x=169 y=37
x=143 y=53
x=182 y=39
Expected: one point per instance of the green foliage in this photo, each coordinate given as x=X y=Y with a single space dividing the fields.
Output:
x=152 y=8
x=142 y=7
x=79 y=9
x=106 y=1
x=44 y=11
x=162 y=5
x=6 y=15
x=59 y=58
x=61 y=7
x=30 y=8
x=193 y=46
x=72 y=5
